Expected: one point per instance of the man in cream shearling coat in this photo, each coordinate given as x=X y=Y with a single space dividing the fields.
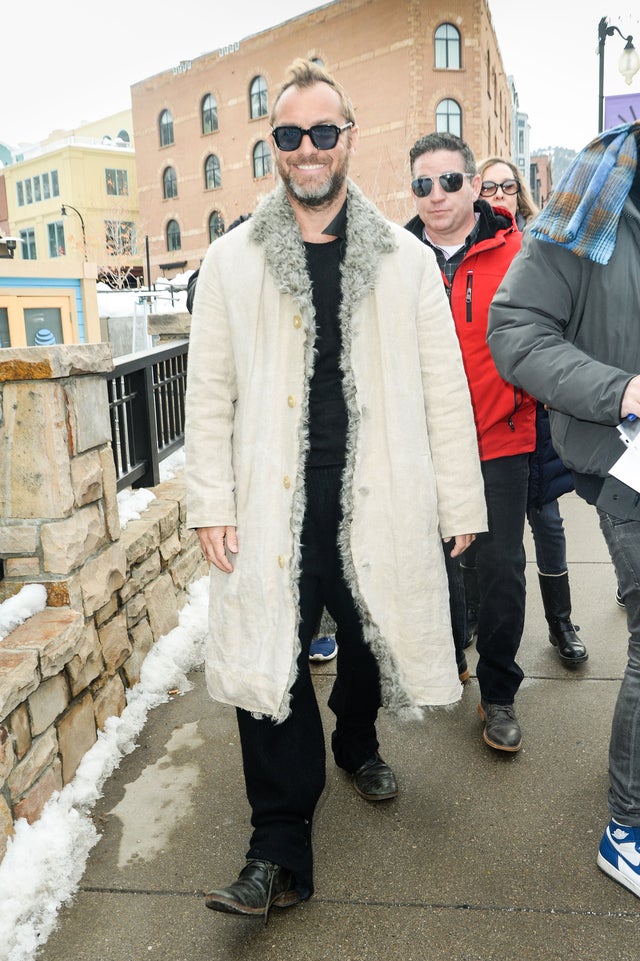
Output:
x=330 y=447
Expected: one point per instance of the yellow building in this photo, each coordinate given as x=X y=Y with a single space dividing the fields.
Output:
x=48 y=303
x=76 y=195
x=411 y=67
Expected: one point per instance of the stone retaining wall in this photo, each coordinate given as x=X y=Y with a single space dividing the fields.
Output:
x=111 y=594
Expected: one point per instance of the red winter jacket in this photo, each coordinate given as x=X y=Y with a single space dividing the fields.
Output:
x=505 y=415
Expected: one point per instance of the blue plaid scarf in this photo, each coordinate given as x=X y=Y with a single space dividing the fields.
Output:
x=584 y=210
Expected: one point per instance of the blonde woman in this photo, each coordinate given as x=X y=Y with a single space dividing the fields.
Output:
x=502 y=186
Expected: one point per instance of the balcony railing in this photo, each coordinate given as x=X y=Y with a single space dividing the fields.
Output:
x=146 y=405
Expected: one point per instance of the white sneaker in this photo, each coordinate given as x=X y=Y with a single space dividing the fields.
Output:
x=619 y=855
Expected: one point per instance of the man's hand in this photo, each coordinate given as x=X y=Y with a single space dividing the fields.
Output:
x=631 y=398
x=462 y=541
x=213 y=541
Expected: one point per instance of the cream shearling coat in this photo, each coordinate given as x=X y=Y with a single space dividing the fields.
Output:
x=412 y=474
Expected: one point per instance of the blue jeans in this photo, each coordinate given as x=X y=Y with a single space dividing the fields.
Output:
x=500 y=563
x=548 y=538
x=623 y=541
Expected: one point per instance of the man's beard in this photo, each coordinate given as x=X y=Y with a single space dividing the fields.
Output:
x=314 y=197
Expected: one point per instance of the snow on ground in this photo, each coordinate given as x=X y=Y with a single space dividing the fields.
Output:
x=45 y=861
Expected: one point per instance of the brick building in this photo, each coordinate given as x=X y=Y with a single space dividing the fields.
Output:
x=411 y=66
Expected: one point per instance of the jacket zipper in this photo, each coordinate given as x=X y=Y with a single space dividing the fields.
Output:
x=469 y=295
x=516 y=404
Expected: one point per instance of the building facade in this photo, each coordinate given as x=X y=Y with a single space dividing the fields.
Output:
x=411 y=66
x=76 y=195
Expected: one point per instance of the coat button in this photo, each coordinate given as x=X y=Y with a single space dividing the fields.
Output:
x=286 y=481
x=297 y=321
x=281 y=561
x=291 y=401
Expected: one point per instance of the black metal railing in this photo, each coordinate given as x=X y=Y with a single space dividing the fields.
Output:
x=146 y=406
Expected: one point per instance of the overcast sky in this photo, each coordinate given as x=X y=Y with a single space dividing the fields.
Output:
x=63 y=64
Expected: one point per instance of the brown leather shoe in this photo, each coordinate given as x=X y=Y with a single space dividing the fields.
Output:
x=260 y=886
x=375 y=781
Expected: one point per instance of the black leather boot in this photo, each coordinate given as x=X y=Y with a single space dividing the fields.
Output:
x=556 y=598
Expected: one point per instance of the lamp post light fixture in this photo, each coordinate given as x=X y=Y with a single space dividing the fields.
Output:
x=63 y=211
x=628 y=65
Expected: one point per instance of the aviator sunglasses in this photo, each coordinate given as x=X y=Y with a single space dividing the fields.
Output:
x=490 y=187
x=451 y=183
x=323 y=136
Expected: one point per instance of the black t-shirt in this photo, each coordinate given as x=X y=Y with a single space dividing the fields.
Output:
x=327 y=408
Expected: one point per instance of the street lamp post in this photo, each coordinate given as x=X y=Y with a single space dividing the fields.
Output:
x=84 y=236
x=628 y=65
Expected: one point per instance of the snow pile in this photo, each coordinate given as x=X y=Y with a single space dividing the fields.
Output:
x=15 y=610
x=45 y=861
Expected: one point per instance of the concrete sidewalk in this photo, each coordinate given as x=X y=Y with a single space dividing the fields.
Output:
x=483 y=857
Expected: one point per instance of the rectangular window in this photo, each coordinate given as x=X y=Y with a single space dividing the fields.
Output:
x=5 y=340
x=28 y=238
x=117 y=182
x=20 y=191
x=46 y=187
x=43 y=326
x=55 y=188
x=37 y=194
x=28 y=192
x=120 y=237
x=56 y=239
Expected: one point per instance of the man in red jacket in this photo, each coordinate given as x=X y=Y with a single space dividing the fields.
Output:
x=474 y=245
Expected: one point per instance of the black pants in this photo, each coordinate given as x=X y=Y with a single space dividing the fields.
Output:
x=500 y=563
x=284 y=764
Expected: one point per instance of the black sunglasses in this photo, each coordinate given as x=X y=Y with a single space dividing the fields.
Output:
x=323 y=136
x=451 y=183
x=490 y=187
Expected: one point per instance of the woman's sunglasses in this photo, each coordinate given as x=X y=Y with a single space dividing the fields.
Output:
x=323 y=136
x=490 y=187
x=450 y=183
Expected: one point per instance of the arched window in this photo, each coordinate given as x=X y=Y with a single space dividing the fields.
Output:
x=124 y=136
x=173 y=235
x=258 y=101
x=212 y=178
x=209 y=114
x=261 y=159
x=166 y=128
x=216 y=226
x=447 y=47
x=449 y=117
x=169 y=184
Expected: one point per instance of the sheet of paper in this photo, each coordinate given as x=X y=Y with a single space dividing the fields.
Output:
x=627 y=467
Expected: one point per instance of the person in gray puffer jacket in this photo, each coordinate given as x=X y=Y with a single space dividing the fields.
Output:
x=565 y=326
